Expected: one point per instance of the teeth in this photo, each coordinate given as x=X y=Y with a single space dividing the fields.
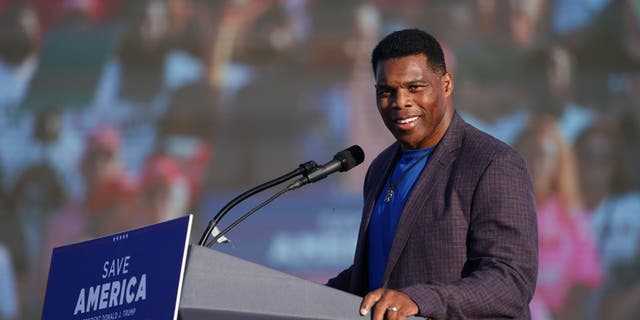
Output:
x=403 y=121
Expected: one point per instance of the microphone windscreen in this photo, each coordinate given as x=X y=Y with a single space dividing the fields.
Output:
x=350 y=157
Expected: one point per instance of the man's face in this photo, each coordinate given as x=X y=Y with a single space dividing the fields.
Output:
x=413 y=100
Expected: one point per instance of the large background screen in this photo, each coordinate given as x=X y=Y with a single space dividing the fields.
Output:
x=118 y=114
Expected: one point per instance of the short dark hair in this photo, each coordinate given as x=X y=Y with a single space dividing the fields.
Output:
x=409 y=42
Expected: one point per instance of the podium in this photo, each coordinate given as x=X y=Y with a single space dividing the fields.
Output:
x=152 y=273
x=220 y=286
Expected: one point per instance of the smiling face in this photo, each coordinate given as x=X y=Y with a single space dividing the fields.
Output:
x=414 y=100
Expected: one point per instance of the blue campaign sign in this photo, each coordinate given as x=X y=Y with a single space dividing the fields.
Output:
x=132 y=275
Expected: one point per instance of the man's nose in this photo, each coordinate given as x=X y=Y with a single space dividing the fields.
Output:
x=403 y=99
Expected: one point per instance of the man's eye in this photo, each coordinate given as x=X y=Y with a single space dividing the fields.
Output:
x=384 y=93
x=415 y=88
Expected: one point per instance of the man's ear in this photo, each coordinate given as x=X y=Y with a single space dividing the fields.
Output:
x=447 y=83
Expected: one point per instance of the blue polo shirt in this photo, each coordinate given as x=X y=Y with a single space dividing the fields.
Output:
x=385 y=216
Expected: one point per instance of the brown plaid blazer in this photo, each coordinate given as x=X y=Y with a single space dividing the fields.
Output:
x=466 y=243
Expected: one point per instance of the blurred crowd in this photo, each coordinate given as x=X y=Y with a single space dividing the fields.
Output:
x=118 y=114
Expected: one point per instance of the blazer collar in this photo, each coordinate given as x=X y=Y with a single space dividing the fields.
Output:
x=442 y=154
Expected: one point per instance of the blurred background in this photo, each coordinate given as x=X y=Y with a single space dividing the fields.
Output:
x=119 y=114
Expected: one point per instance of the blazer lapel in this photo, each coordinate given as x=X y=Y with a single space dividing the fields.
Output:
x=378 y=184
x=418 y=203
x=360 y=261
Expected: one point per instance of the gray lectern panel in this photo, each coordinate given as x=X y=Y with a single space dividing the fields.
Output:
x=220 y=286
x=186 y=314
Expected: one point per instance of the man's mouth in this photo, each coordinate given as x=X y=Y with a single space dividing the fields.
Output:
x=406 y=123
x=407 y=120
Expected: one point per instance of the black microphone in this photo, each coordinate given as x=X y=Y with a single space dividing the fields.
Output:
x=342 y=161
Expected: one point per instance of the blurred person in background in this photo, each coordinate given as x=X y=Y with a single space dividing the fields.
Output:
x=614 y=208
x=341 y=92
x=110 y=188
x=521 y=24
x=493 y=95
x=528 y=22
x=570 y=19
x=608 y=56
x=38 y=193
x=569 y=264
x=155 y=54
x=329 y=55
x=52 y=109
x=164 y=44
x=186 y=134
x=226 y=73
x=551 y=70
x=108 y=205
x=190 y=36
x=270 y=109
x=560 y=77
x=20 y=41
x=132 y=80
x=164 y=189
x=142 y=50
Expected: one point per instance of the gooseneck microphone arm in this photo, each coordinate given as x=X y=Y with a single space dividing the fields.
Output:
x=303 y=169
x=311 y=172
x=246 y=215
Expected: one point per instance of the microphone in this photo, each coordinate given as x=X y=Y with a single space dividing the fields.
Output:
x=302 y=169
x=342 y=161
x=311 y=172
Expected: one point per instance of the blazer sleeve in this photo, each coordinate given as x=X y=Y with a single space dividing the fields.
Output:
x=500 y=273
x=342 y=280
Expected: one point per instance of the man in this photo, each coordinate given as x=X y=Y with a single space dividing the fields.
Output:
x=449 y=224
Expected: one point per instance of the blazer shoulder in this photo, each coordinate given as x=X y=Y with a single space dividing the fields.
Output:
x=484 y=148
